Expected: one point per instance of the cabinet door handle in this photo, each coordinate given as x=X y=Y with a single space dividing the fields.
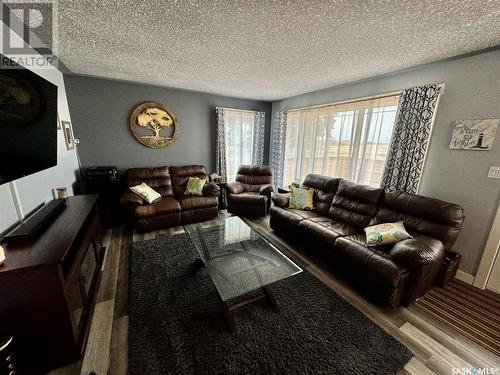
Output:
x=82 y=291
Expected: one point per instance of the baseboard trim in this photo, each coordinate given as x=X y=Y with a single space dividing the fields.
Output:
x=465 y=277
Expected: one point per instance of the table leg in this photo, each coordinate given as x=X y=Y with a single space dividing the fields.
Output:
x=272 y=299
x=229 y=316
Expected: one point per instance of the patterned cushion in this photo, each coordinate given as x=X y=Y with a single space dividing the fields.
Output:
x=195 y=186
x=386 y=234
x=145 y=192
x=301 y=199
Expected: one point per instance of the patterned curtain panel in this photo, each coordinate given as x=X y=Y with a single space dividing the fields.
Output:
x=278 y=143
x=410 y=138
x=258 y=138
x=220 y=143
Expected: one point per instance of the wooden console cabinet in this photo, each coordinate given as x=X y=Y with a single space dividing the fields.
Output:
x=47 y=287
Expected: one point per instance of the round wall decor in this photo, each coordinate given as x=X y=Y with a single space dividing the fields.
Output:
x=153 y=125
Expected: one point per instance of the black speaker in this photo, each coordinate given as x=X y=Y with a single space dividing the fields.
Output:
x=104 y=181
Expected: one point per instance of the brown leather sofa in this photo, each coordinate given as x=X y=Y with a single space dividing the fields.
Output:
x=392 y=274
x=250 y=194
x=173 y=208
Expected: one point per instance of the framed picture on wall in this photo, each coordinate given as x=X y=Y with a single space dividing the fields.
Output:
x=475 y=135
x=68 y=135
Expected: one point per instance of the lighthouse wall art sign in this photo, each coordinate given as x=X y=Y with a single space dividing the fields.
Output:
x=475 y=135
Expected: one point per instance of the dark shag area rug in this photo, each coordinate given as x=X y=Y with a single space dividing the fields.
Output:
x=177 y=326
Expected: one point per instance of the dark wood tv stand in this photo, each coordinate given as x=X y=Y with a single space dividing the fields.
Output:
x=47 y=287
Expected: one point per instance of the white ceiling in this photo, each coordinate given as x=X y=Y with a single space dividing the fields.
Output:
x=264 y=49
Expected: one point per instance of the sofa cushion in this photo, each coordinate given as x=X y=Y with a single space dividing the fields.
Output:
x=301 y=199
x=324 y=189
x=180 y=176
x=285 y=219
x=195 y=186
x=427 y=216
x=145 y=192
x=386 y=233
x=250 y=198
x=363 y=259
x=252 y=177
x=156 y=178
x=304 y=214
x=325 y=230
x=162 y=206
x=373 y=271
x=195 y=202
x=360 y=239
x=355 y=204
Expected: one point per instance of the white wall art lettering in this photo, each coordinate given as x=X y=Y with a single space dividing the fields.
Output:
x=474 y=134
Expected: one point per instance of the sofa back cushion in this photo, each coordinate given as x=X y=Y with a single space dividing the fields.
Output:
x=431 y=217
x=156 y=178
x=324 y=190
x=355 y=204
x=180 y=176
x=252 y=177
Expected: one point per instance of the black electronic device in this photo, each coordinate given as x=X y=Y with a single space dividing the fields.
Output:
x=38 y=221
x=101 y=173
x=28 y=119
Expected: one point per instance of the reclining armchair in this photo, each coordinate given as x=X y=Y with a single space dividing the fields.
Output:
x=250 y=194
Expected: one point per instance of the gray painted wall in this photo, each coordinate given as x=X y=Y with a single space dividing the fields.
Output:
x=472 y=91
x=101 y=110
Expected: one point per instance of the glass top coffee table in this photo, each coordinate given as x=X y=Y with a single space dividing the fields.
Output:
x=239 y=262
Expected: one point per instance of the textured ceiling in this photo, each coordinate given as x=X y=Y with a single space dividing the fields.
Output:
x=264 y=49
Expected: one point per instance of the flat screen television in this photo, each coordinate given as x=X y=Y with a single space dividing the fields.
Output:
x=28 y=123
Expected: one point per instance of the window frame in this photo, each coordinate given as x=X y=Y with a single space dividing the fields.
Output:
x=363 y=111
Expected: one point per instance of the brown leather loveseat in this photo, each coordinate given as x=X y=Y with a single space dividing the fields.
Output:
x=250 y=194
x=391 y=274
x=173 y=208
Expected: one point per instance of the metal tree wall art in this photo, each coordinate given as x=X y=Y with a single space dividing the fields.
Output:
x=149 y=120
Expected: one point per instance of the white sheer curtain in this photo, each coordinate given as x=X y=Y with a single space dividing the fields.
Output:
x=348 y=140
x=239 y=129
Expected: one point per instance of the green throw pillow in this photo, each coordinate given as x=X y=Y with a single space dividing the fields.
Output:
x=301 y=199
x=386 y=234
x=195 y=186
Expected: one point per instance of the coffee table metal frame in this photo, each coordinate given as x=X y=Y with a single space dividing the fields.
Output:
x=266 y=291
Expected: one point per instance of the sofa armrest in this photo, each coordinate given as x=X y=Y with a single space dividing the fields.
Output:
x=235 y=188
x=417 y=252
x=281 y=200
x=211 y=190
x=422 y=256
x=266 y=189
x=131 y=199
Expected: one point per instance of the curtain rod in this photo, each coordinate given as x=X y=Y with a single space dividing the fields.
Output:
x=377 y=96
x=381 y=96
x=239 y=110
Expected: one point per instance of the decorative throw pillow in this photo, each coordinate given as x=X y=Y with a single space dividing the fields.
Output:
x=301 y=199
x=195 y=186
x=146 y=192
x=386 y=234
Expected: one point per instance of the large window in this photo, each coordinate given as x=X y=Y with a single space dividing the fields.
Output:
x=239 y=128
x=348 y=140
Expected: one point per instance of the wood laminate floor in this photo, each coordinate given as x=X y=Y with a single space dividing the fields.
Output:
x=436 y=347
